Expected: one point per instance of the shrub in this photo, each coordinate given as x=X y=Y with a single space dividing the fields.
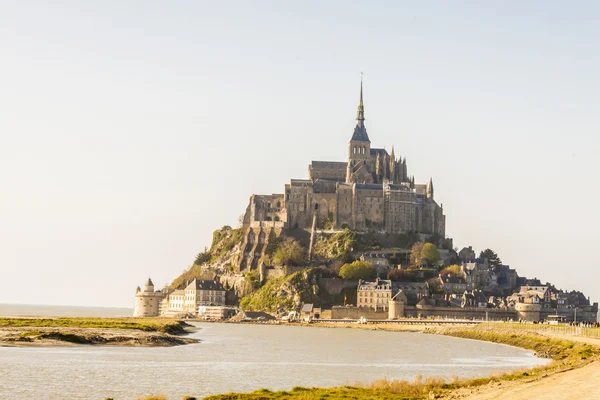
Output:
x=290 y=253
x=358 y=270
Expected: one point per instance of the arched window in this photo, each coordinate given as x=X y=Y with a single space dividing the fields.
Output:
x=268 y=204
x=276 y=218
x=278 y=203
x=268 y=219
x=354 y=150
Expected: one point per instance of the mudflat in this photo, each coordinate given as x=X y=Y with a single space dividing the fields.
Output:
x=93 y=331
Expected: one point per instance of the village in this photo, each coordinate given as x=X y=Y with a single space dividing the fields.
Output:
x=475 y=289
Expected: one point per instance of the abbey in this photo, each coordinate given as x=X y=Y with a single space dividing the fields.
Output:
x=371 y=191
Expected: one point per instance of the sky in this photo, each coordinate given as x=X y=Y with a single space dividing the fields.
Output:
x=130 y=131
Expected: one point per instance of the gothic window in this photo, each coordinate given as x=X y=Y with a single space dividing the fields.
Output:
x=276 y=218
x=278 y=203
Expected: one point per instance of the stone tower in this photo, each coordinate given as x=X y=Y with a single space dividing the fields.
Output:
x=359 y=148
x=147 y=301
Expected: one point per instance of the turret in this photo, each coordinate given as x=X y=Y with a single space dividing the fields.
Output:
x=430 y=189
x=149 y=286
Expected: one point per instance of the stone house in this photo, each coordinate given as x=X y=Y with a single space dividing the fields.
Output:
x=414 y=291
x=453 y=284
x=378 y=259
x=528 y=294
x=467 y=254
x=375 y=295
x=204 y=293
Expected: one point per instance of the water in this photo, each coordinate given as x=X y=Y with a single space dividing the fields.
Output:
x=244 y=358
x=35 y=310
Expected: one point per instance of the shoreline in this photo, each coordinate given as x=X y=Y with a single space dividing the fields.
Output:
x=574 y=371
x=53 y=332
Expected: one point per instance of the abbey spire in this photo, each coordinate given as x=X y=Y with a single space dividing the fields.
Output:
x=360 y=132
x=360 y=114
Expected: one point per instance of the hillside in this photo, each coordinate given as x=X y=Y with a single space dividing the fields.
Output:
x=221 y=258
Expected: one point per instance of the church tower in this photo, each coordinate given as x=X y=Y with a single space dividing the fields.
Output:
x=359 y=148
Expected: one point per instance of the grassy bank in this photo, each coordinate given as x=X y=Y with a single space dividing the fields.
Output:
x=566 y=354
x=142 y=324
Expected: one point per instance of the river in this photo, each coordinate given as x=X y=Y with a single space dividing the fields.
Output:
x=237 y=357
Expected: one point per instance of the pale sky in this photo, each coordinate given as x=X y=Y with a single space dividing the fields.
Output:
x=129 y=131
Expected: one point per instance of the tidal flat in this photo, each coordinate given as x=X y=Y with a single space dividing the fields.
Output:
x=151 y=332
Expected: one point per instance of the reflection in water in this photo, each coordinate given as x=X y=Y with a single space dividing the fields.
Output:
x=244 y=358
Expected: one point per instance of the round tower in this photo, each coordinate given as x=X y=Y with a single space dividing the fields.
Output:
x=147 y=301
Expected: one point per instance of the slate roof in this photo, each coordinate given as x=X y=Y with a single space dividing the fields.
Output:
x=208 y=285
x=378 y=151
x=369 y=186
x=360 y=132
x=307 y=308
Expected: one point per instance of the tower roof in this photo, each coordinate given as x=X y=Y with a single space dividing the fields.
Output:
x=360 y=132
x=149 y=283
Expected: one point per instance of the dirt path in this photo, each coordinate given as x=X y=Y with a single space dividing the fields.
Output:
x=581 y=383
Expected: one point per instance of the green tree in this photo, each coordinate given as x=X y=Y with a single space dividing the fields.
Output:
x=430 y=253
x=358 y=270
x=492 y=257
x=416 y=254
x=290 y=253
x=202 y=257
x=454 y=269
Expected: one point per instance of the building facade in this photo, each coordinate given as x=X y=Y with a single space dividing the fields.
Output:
x=198 y=293
x=371 y=191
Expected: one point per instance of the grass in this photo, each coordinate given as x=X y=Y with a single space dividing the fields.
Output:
x=143 y=324
x=565 y=354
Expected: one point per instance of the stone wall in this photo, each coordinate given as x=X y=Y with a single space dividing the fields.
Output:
x=461 y=313
x=339 y=312
x=334 y=286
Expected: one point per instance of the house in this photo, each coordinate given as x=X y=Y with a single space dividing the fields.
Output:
x=204 y=293
x=467 y=254
x=306 y=311
x=453 y=284
x=379 y=261
x=375 y=295
x=414 y=291
x=528 y=293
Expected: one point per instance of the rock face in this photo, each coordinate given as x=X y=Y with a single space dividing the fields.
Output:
x=285 y=293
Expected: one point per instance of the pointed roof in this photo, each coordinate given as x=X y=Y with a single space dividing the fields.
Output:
x=430 y=188
x=360 y=132
x=149 y=283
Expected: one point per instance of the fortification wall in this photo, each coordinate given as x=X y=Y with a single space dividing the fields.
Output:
x=461 y=313
x=357 y=312
x=334 y=286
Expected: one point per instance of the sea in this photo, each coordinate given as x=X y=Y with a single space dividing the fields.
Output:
x=37 y=310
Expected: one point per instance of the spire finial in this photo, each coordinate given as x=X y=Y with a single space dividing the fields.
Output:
x=360 y=116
